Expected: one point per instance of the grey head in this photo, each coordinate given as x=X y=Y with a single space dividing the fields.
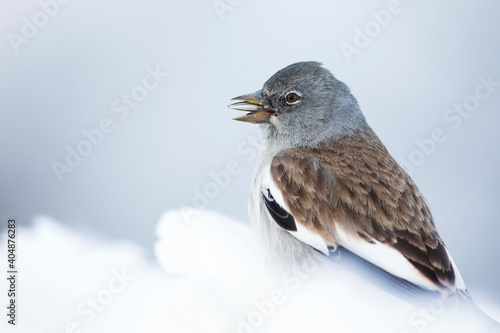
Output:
x=301 y=105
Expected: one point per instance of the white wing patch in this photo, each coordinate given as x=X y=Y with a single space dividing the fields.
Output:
x=384 y=257
x=459 y=281
x=310 y=237
x=303 y=234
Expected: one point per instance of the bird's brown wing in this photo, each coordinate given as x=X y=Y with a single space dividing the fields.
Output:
x=352 y=184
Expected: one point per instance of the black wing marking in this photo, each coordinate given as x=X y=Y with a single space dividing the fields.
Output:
x=279 y=215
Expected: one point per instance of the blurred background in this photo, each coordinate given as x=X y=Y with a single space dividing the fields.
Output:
x=114 y=112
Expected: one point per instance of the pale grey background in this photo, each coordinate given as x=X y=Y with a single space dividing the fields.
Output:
x=64 y=81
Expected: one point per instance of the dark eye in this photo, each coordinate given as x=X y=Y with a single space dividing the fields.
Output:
x=292 y=98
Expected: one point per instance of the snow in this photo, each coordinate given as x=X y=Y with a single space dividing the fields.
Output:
x=207 y=276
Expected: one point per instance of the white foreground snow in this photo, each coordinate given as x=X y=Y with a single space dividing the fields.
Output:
x=210 y=278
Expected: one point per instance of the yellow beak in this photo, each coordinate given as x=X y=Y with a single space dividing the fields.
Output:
x=258 y=113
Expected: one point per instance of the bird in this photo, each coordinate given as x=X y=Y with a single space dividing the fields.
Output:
x=324 y=181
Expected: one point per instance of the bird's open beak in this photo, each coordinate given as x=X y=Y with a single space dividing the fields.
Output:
x=257 y=112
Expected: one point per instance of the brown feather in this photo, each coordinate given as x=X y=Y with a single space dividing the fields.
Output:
x=354 y=182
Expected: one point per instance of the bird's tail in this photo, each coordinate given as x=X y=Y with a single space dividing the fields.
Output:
x=459 y=303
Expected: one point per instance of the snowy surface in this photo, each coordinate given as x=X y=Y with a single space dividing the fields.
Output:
x=208 y=277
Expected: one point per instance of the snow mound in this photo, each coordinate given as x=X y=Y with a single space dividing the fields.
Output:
x=209 y=277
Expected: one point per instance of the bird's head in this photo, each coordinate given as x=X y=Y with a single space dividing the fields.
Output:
x=303 y=103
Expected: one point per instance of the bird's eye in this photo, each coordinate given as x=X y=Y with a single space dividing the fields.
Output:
x=292 y=98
